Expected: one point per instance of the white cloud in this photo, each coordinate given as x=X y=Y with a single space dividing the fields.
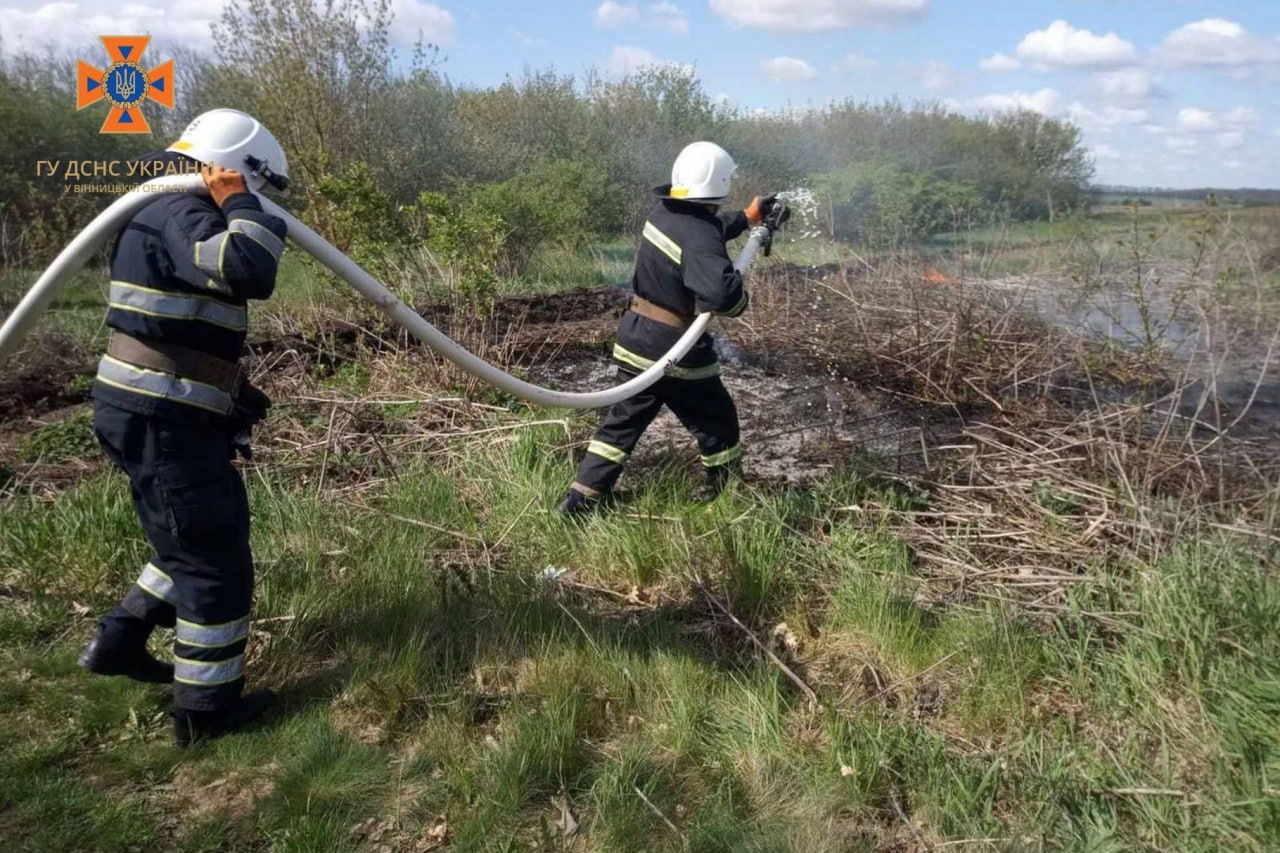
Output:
x=625 y=60
x=1194 y=126
x=934 y=75
x=1105 y=118
x=1126 y=85
x=669 y=17
x=1239 y=116
x=78 y=25
x=665 y=15
x=1196 y=120
x=611 y=15
x=415 y=20
x=1041 y=101
x=816 y=16
x=788 y=69
x=854 y=62
x=1105 y=152
x=1232 y=140
x=1216 y=42
x=999 y=63
x=1193 y=120
x=1061 y=45
x=1180 y=144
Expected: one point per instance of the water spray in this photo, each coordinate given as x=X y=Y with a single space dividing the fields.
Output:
x=804 y=212
x=81 y=249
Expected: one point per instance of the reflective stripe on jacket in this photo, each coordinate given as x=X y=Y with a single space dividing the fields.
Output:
x=682 y=265
x=182 y=272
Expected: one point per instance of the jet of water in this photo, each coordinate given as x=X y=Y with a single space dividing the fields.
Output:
x=804 y=211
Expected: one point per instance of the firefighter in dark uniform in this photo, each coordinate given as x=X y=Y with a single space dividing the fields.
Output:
x=682 y=269
x=171 y=408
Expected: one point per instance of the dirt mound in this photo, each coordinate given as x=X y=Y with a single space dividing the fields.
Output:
x=575 y=306
x=34 y=393
x=52 y=374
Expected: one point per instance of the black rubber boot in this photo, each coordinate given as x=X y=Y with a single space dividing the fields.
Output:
x=194 y=726
x=717 y=479
x=576 y=503
x=120 y=648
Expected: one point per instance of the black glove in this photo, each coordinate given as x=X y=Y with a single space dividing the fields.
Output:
x=247 y=409
x=767 y=210
x=776 y=214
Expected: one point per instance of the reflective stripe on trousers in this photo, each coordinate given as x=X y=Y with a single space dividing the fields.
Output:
x=212 y=636
x=178 y=306
x=724 y=457
x=200 y=673
x=164 y=386
x=156 y=583
x=607 y=451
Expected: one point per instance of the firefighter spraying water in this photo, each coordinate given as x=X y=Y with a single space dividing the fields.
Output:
x=682 y=270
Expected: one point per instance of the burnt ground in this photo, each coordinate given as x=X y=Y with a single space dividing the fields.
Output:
x=830 y=365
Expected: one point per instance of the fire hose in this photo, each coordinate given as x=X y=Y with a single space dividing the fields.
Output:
x=81 y=249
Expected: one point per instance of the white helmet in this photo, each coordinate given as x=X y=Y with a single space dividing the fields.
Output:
x=235 y=140
x=702 y=172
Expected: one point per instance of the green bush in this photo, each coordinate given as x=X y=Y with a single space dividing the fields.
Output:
x=470 y=241
x=560 y=202
x=360 y=218
x=884 y=204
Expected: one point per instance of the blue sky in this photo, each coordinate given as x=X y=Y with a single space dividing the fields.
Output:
x=1173 y=93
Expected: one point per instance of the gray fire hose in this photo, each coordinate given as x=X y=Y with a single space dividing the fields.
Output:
x=80 y=250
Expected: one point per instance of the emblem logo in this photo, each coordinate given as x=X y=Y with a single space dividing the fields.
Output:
x=124 y=84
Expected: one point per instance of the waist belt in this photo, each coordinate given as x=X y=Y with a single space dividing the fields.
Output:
x=658 y=314
x=178 y=360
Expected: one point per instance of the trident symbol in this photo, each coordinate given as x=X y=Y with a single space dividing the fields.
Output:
x=126 y=83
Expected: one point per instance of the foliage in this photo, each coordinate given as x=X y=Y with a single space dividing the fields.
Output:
x=884 y=204
x=362 y=219
x=556 y=157
x=470 y=241
x=38 y=122
x=564 y=202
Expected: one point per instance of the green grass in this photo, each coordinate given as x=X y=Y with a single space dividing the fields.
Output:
x=427 y=673
x=60 y=441
x=431 y=678
x=75 y=317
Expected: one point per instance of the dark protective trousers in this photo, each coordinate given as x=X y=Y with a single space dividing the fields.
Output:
x=703 y=406
x=193 y=508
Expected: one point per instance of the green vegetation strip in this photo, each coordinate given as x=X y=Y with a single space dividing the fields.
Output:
x=441 y=687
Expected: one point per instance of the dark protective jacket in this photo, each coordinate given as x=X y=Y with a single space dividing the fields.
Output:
x=182 y=273
x=682 y=265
